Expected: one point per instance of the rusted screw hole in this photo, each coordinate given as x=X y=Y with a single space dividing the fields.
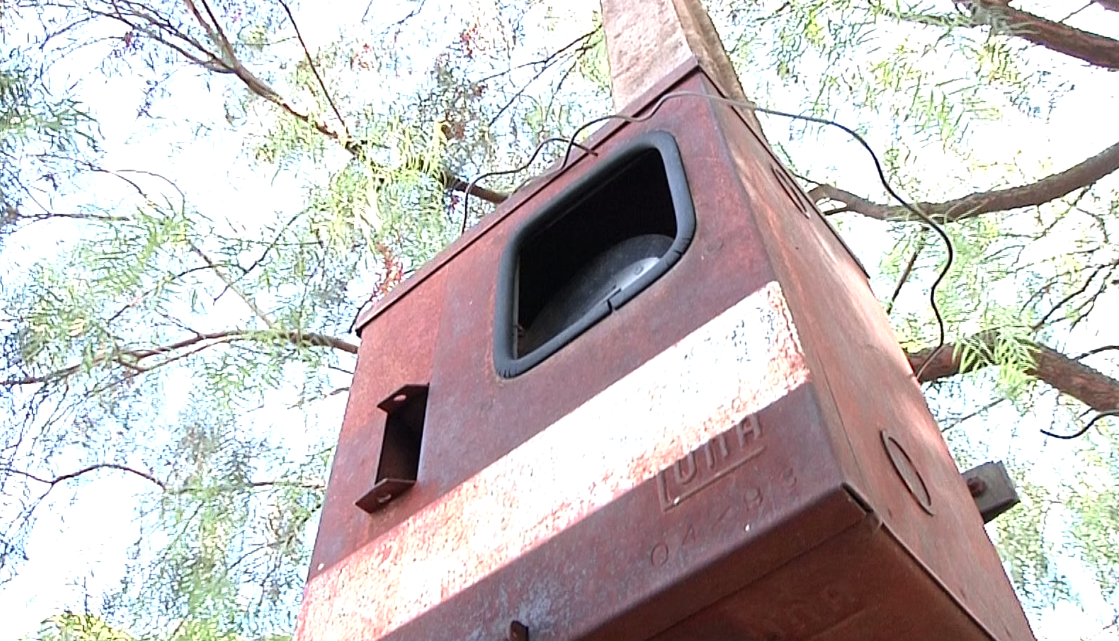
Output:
x=518 y=631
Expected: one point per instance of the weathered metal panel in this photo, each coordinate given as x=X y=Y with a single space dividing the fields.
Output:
x=706 y=458
x=898 y=459
x=859 y=585
x=401 y=347
x=691 y=407
x=472 y=394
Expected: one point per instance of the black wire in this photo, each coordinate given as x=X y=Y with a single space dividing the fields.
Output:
x=517 y=170
x=950 y=249
x=1083 y=430
x=951 y=252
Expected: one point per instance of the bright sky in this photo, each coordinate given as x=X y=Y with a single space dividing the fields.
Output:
x=87 y=540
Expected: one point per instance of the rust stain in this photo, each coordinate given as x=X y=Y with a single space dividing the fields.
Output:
x=735 y=365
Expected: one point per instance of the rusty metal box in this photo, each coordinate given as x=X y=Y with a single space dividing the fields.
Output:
x=732 y=448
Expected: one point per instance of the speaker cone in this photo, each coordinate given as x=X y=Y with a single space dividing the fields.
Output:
x=608 y=273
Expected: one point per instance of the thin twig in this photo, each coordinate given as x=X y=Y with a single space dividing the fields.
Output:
x=315 y=70
x=231 y=285
x=971 y=415
x=85 y=470
x=1098 y=350
x=906 y=273
x=540 y=61
x=547 y=64
x=1064 y=301
x=399 y=23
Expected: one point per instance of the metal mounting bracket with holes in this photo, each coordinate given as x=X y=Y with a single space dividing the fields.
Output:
x=398 y=467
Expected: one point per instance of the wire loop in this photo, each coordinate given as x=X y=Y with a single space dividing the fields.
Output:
x=922 y=216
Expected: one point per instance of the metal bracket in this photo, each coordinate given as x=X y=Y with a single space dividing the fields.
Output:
x=992 y=489
x=405 y=410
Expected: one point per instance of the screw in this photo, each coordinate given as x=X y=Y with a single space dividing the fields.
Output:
x=976 y=486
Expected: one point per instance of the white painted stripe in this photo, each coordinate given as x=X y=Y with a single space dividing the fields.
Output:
x=735 y=365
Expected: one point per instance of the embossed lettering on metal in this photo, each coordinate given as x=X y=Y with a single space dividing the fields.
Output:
x=710 y=462
x=711 y=381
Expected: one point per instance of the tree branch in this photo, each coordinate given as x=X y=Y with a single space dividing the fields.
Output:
x=454 y=183
x=972 y=414
x=314 y=70
x=133 y=358
x=156 y=24
x=1091 y=48
x=321 y=340
x=1066 y=375
x=227 y=62
x=222 y=40
x=906 y=273
x=1037 y=193
x=308 y=484
x=231 y=285
x=545 y=64
x=85 y=470
x=1098 y=350
x=12 y=214
x=1076 y=293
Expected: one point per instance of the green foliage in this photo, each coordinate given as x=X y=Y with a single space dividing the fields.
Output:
x=229 y=547
x=242 y=324
x=594 y=65
x=199 y=345
x=78 y=627
x=40 y=138
x=1096 y=506
x=1027 y=548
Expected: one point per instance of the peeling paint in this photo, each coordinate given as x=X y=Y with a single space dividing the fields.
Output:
x=735 y=365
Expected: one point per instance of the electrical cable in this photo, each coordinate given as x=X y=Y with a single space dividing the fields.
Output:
x=1083 y=430
x=516 y=170
x=923 y=217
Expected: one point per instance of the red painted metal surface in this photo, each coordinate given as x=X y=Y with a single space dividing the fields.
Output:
x=740 y=452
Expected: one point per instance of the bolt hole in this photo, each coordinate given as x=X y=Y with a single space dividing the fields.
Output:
x=518 y=631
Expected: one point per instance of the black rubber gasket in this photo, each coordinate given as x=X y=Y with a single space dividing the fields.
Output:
x=506 y=362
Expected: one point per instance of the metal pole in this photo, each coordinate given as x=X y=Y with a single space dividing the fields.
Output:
x=647 y=39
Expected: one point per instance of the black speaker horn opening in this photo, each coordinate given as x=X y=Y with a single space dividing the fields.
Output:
x=609 y=236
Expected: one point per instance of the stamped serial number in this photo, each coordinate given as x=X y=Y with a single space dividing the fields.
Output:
x=710 y=462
